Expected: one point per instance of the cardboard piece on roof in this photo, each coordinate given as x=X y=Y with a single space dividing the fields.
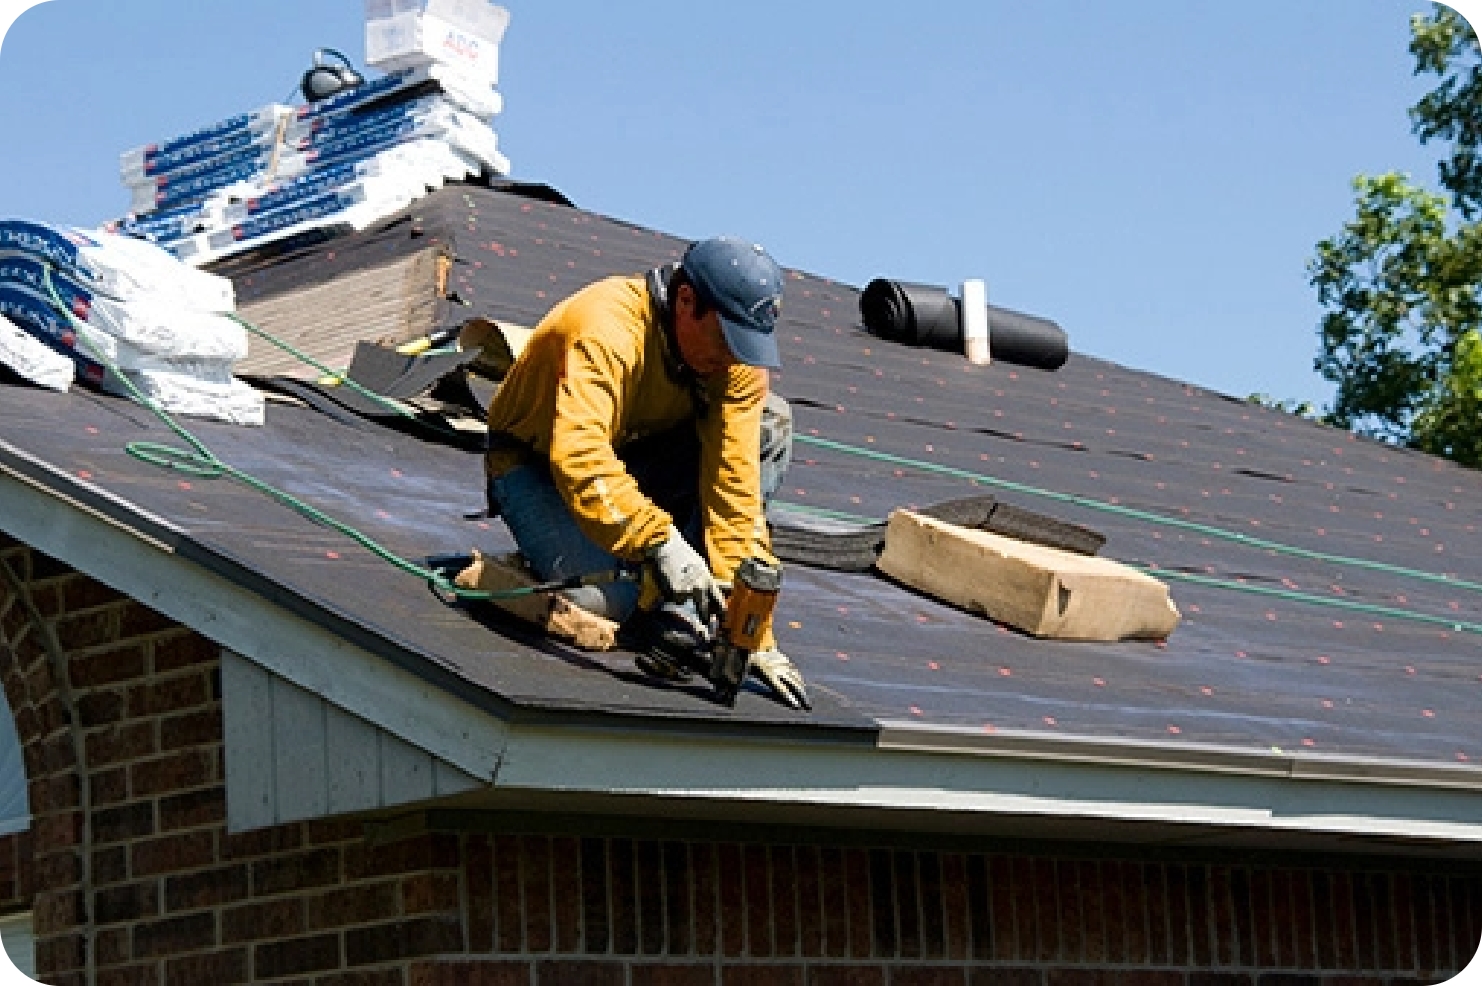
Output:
x=1043 y=591
x=550 y=612
x=499 y=343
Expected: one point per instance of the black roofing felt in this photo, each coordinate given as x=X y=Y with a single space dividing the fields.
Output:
x=410 y=496
x=1247 y=670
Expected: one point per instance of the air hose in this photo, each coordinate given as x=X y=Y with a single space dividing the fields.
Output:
x=199 y=461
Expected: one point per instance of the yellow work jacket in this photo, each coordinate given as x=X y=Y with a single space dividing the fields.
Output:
x=597 y=374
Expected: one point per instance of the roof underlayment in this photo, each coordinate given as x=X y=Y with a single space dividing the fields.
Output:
x=880 y=426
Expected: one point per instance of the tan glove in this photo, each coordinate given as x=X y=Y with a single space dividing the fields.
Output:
x=774 y=669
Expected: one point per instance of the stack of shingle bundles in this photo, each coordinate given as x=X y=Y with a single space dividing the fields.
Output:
x=100 y=299
x=242 y=212
x=158 y=173
x=345 y=161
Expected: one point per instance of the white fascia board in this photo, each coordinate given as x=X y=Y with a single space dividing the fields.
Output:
x=1199 y=757
x=864 y=785
x=145 y=568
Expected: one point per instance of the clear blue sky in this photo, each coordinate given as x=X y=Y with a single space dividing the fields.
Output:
x=1152 y=174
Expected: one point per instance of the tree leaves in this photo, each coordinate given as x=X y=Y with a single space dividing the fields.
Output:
x=1445 y=45
x=1402 y=291
x=1450 y=424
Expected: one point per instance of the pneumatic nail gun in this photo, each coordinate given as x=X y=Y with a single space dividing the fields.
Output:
x=722 y=654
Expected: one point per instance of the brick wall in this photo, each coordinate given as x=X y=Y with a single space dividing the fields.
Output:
x=618 y=911
x=134 y=880
x=119 y=714
x=17 y=875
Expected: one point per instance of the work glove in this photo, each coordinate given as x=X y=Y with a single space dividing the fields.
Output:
x=684 y=577
x=782 y=676
x=668 y=641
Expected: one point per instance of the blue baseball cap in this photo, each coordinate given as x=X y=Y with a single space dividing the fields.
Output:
x=744 y=285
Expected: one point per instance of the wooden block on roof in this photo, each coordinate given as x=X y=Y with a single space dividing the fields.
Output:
x=1043 y=591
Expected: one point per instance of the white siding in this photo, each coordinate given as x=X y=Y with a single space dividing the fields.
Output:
x=290 y=755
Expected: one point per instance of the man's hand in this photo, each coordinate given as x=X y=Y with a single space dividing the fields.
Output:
x=782 y=676
x=684 y=577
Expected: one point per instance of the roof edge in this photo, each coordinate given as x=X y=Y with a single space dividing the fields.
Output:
x=1202 y=757
x=855 y=786
x=131 y=550
x=159 y=568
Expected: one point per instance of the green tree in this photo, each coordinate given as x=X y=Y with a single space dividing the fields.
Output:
x=1445 y=45
x=1451 y=422
x=1401 y=285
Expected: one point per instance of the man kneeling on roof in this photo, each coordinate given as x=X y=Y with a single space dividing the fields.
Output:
x=636 y=429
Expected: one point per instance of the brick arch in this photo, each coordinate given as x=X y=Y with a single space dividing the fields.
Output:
x=51 y=861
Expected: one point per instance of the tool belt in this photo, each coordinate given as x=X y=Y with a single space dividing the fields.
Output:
x=503 y=452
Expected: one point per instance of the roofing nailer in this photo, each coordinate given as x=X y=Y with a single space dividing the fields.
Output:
x=724 y=656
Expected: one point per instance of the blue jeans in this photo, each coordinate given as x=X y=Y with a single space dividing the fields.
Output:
x=553 y=546
x=666 y=468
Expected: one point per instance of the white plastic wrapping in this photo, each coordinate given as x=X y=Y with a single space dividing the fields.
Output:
x=341 y=162
x=467 y=133
x=120 y=267
x=470 y=92
x=135 y=270
x=481 y=16
x=382 y=185
x=388 y=197
x=441 y=120
x=197 y=339
x=113 y=300
x=403 y=34
x=32 y=359
x=207 y=140
x=135 y=169
x=228 y=399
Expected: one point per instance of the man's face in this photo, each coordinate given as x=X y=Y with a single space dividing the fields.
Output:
x=702 y=344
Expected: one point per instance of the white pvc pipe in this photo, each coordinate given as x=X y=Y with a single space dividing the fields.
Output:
x=975 y=321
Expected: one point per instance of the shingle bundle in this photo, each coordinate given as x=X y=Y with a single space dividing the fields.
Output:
x=99 y=299
x=344 y=161
x=32 y=359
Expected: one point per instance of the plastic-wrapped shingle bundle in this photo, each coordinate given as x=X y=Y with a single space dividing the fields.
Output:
x=345 y=161
x=410 y=33
x=99 y=299
x=32 y=359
